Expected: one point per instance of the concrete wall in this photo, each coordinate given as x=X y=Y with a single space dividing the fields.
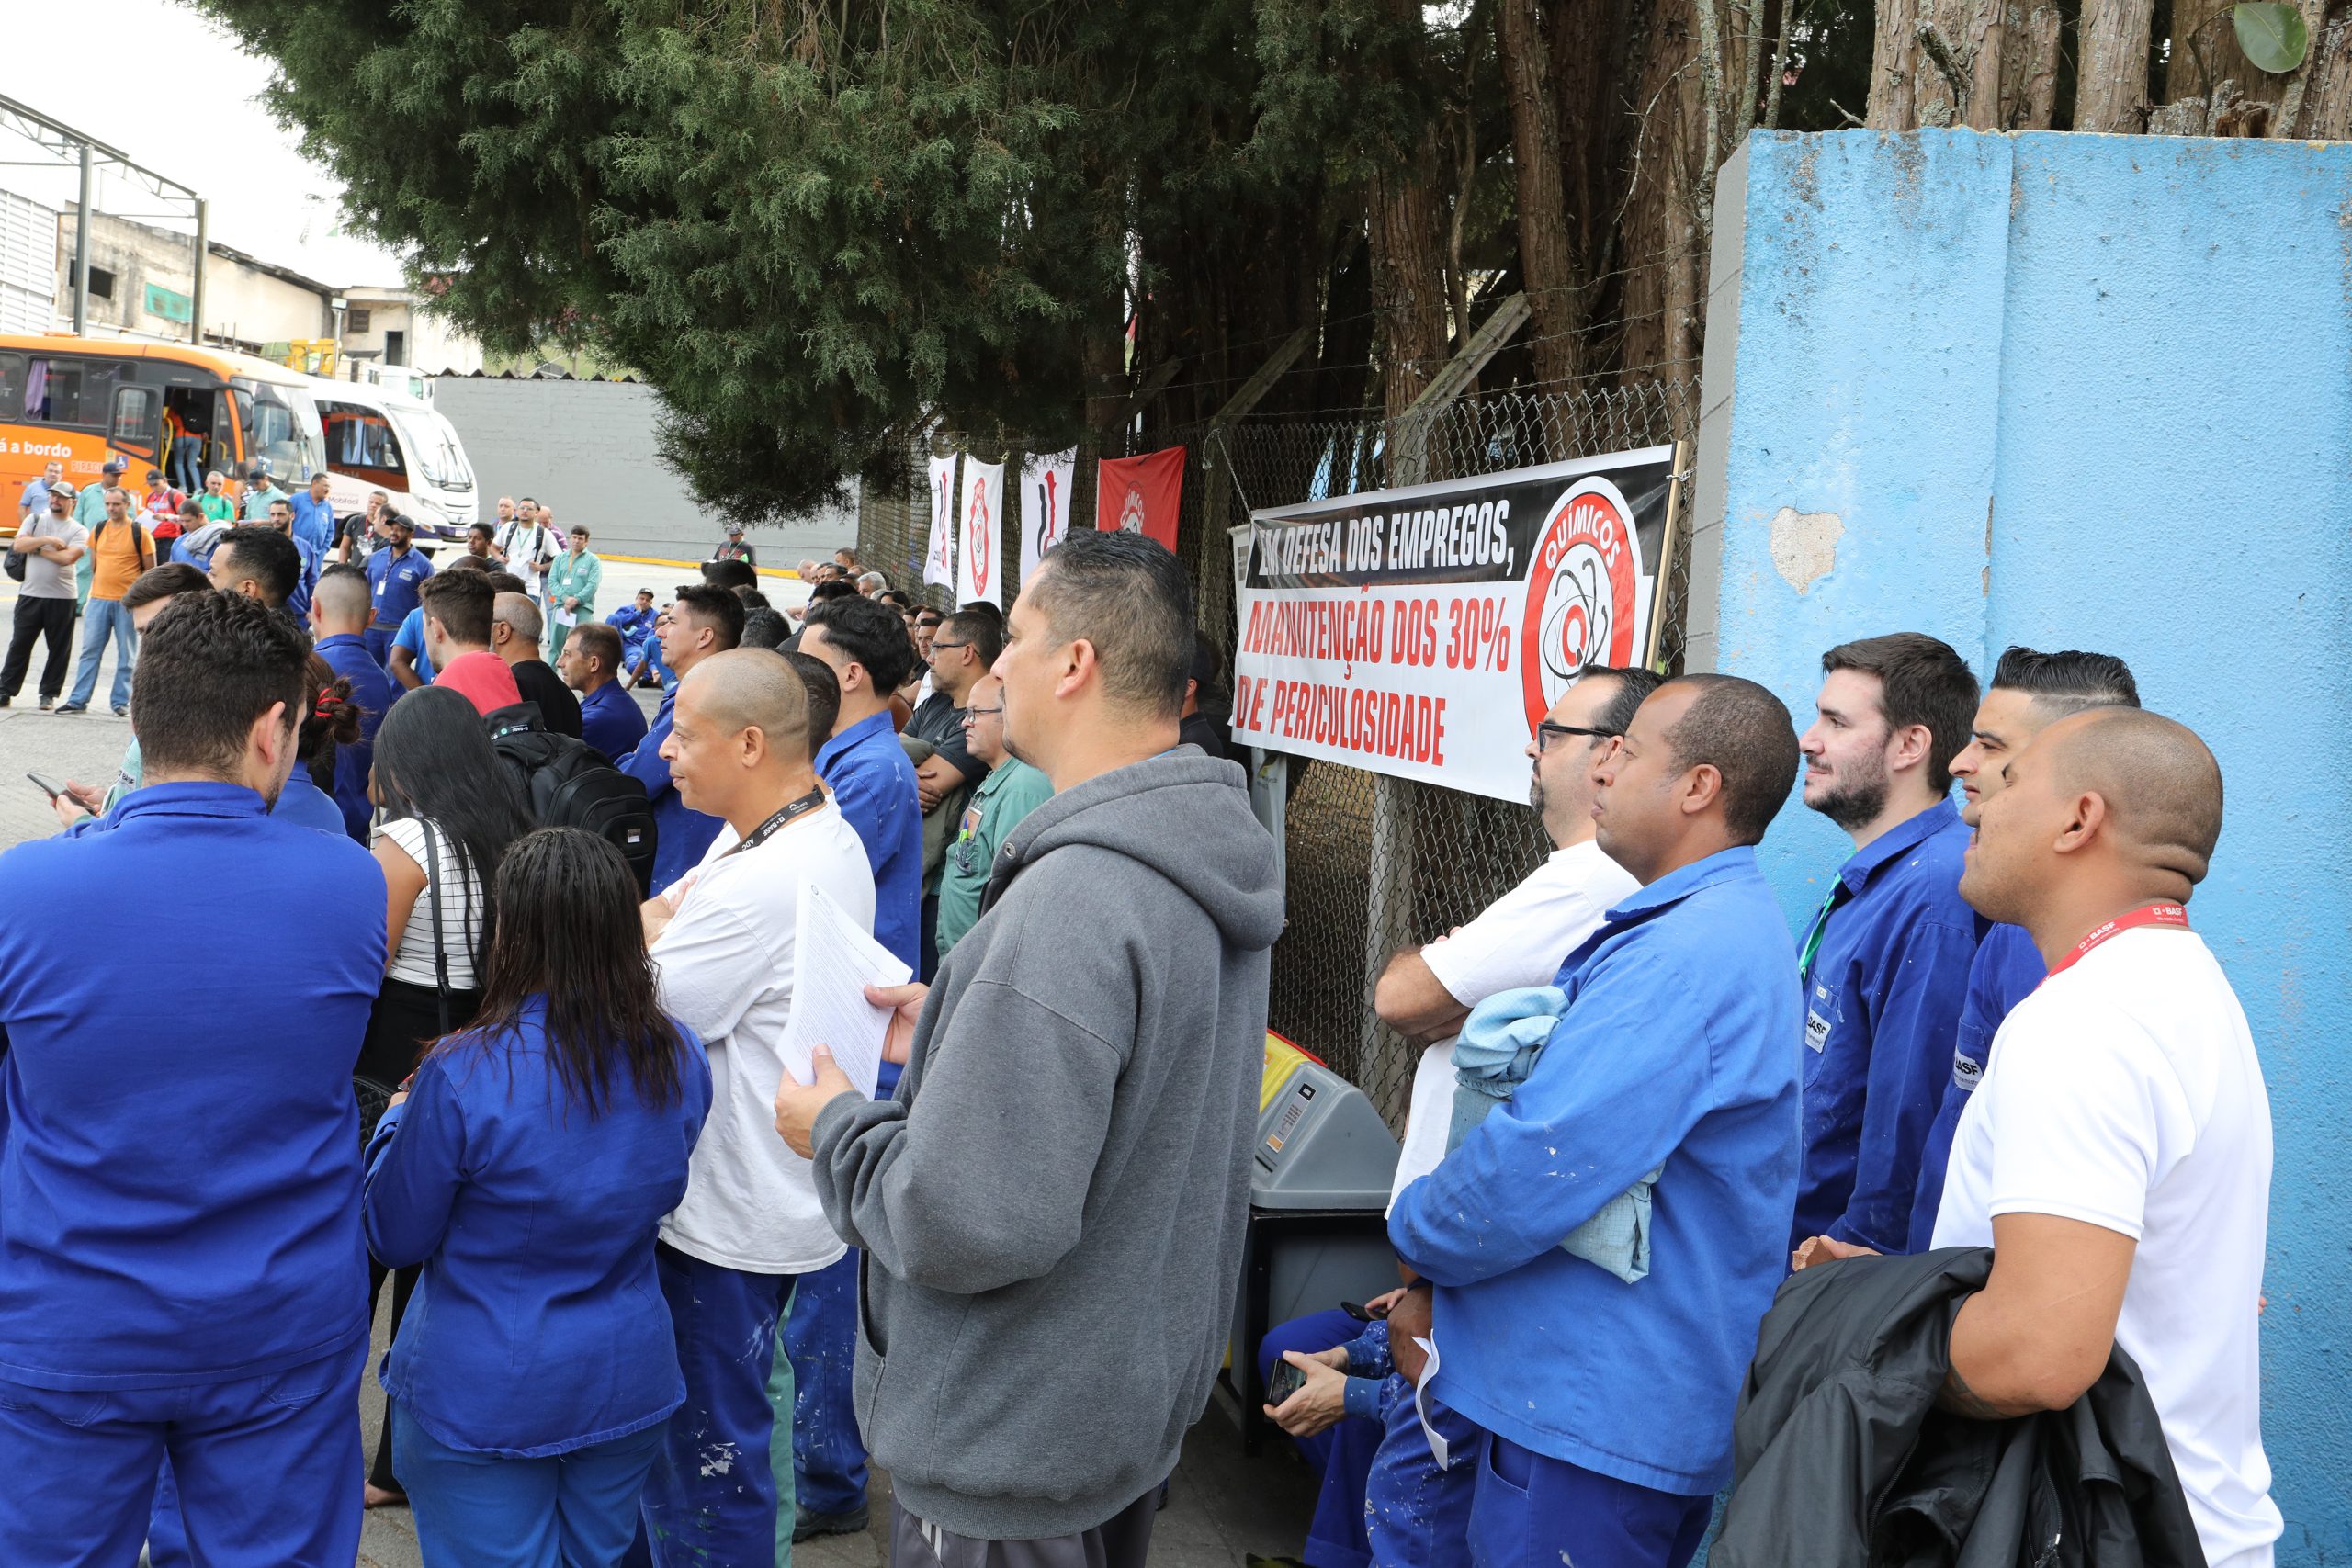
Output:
x=428 y=341
x=587 y=448
x=241 y=301
x=2096 y=392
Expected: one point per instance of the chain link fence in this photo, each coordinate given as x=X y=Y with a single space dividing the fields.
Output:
x=1374 y=862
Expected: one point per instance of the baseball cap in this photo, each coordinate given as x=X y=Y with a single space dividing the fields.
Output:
x=111 y=466
x=154 y=473
x=734 y=527
x=62 y=491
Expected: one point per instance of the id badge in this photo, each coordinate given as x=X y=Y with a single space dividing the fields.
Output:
x=1816 y=1023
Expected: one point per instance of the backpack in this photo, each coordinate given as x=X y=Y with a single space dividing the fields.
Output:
x=566 y=783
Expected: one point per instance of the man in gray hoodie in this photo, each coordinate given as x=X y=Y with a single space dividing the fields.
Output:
x=1069 y=1152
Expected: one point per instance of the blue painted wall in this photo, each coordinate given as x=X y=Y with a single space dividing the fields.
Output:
x=2096 y=392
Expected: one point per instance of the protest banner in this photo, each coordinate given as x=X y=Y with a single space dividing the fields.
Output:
x=1045 y=504
x=1422 y=632
x=979 y=571
x=939 y=551
x=1141 y=495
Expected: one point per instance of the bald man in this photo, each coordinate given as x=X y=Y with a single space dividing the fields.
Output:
x=723 y=942
x=515 y=626
x=2117 y=1154
x=340 y=608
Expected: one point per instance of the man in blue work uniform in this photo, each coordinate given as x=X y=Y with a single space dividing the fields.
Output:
x=393 y=574
x=610 y=719
x=703 y=621
x=1605 y=1410
x=181 y=1270
x=339 y=610
x=2030 y=692
x=866 y=642
x=314 y=515
x=1885 y=959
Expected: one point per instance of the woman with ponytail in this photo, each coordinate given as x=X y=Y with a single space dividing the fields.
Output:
x=330 y=719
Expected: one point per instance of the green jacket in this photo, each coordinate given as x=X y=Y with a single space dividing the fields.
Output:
x=580 y=578
x=1009 y=793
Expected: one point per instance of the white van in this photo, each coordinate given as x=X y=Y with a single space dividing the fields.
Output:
x=378 y=438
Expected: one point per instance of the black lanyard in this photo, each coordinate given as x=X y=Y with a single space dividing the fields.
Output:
x=780 y=821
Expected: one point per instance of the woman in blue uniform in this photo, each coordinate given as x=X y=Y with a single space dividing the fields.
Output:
x=527 y=1167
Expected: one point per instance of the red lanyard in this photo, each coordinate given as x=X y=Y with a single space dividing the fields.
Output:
x=2146 y=914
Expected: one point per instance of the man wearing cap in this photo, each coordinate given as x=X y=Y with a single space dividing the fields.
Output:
x=50 y=545
x=260 y=491
x=732 y=547
x=393 y=575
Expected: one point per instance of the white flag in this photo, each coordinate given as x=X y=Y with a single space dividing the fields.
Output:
x=1045 y=504
x=979 y=557
x=939 y=557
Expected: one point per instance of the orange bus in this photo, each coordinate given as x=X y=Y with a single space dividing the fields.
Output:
x=82 y=401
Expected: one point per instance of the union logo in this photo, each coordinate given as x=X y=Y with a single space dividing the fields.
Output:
x=1581 y=593
x=976 y=537
x=1131 y=513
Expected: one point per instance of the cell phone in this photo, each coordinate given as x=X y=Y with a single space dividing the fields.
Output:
x=1358 y=1311
x=54 y=790
x=1287 y=1379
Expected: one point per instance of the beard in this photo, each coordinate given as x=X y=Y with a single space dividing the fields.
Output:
x=1535 y=791
x=1858 y=795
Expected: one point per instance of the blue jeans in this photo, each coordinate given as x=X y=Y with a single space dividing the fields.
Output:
x=710 y=1497
x=185 y=469
x=489 y=1511
x=820 y=1335
x=1530 y=1510
x=267 y=1467
x=99 y=618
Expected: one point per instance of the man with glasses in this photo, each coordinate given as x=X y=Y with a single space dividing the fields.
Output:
x=966 y=647
x=1011 y=790
x=572 y=582
x=1425 y=993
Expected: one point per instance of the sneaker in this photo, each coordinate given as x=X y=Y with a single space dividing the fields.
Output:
x=807 y=1526
x=122 y=710
x=47 y=703
x=72 y=707
x=6 y=701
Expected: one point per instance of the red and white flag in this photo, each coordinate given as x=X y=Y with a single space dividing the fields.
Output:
x=939 y=556
x=1045 y=504
x=1140 y=495
x=979 y=557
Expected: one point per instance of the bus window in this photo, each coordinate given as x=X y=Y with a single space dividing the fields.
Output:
x=362 y=445
x=71 y=390
x=138 y=420
x=11 y=385
x=281 y=428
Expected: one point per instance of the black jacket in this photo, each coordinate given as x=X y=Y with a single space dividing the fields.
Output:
x=1842 y=1460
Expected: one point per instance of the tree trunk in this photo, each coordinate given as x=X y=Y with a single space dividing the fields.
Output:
x=2326 y=112
x=2038 y=77
x=2202 y=30
x=2111 y=87
x=1409 y=273
x=1664 y=256
x=1893 y=100
x=1546 y=261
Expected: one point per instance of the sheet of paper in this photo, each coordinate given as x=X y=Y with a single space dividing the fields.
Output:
x=1422 y=1404
x=834 y=960
x=566 y=618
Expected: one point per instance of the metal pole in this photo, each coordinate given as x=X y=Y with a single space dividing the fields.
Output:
x=82 y=251
x=196 y=289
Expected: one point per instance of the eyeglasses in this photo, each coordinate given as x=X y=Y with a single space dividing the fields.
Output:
x=983 y=713
x=936 y=645
x=1547 y=732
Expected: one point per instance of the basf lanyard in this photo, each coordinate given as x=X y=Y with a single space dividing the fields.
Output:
x=780 y=821
x=2146 y=914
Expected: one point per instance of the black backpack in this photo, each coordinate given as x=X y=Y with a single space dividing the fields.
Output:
x=566 y=783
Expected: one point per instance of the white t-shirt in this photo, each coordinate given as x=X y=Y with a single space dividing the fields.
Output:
x=725 y=969
x=460 y=926
x=1518 y=941
x=2125 y=1093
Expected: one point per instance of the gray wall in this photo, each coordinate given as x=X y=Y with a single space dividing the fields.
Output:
x=587 y=449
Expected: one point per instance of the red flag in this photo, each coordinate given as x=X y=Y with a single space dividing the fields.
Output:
x=1141 y=494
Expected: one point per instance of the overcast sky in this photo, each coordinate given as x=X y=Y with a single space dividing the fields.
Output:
x=162 y=84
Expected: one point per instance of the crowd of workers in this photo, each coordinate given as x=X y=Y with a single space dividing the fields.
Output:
x=658 y=1288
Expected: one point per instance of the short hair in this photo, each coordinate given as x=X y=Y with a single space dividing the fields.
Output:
x=461 y=602
x=281 y=500
x=2068 y=681
x=208 y=665
x=742 y=690
x=194 y=508
x=2161 y=782
x=1744 y=733
x=716 y=608
x=824 y=690
x=868 y=633
x=521 y=614
x=166 y=581
x=271 y=558
x=896 y=596
x=833 y=588
x=753 y=598
x=484 y=529
x=582 y=529
x=987 y=607
x=1922 y=680
x=849 y=550
x=730 y=574
x=764 y=626
x=469 y=563
x=502 y=581
x=598 y=640
x=1634 y=687
x=986 y=636
x=529 y=500
x=873 y=577
x=936 y=616
x=343 y=590
x=1128 y=596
